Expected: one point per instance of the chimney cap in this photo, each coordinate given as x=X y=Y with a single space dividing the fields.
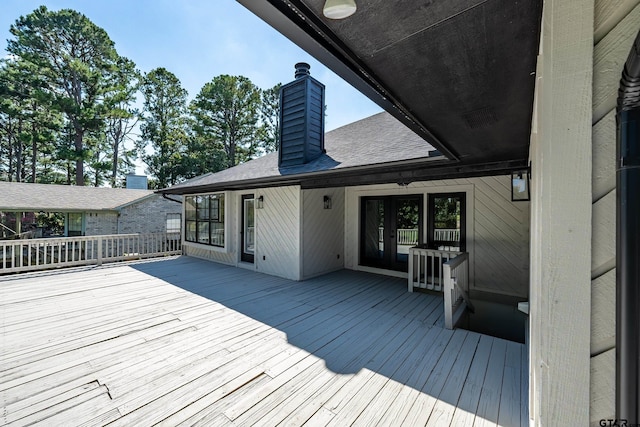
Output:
x=302 y=69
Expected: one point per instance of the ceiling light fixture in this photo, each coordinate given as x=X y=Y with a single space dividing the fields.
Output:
x=339 y=9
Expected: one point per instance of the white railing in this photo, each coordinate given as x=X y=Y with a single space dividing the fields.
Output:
x=40 y=254
x=456 y=289
x=446 y=234
x=426 y=268
x=405 y=236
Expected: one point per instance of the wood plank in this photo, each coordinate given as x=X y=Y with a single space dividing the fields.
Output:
x=488 y=410
x=602 y=387
x=467 y=405
x=604 y=235
x=609 y=56
x=350 y=340
x=604 y=156
x=509 y=414
x=608 y=13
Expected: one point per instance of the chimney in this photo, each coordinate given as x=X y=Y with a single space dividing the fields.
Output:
x=301 y=119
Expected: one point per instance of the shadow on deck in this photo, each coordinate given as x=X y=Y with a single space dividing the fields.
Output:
x=241 y=348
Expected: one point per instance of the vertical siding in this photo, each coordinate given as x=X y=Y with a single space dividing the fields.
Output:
x=278 y=232
x=322 y=232
x=497 y=229
x=616 y=25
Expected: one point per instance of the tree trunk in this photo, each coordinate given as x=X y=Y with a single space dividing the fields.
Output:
x=19 y=153
x=34 y=147
x=79 y=159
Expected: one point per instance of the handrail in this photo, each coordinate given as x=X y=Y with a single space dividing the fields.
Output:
x=426 y=267
x=456 y=288
x=46 y=253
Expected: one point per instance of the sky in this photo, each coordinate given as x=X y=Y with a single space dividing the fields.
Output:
x=200 y=39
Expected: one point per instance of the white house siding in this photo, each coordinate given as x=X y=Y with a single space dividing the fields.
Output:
x=497 y=229
x=322 y=232
x=278 y=232
x=100 y=223
x=616 y=26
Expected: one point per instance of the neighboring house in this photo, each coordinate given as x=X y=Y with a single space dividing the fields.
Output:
x=87 y=211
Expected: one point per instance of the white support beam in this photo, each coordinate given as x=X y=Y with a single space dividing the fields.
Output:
x=561 y=217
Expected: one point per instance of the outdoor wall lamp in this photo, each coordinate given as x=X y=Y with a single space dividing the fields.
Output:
x=327 y=202
x=520 y=185
x=260 y=202
x=339 y=9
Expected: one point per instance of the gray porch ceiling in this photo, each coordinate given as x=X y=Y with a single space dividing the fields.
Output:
x=460 y=73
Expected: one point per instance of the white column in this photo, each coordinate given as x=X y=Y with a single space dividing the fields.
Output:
x=561 y=217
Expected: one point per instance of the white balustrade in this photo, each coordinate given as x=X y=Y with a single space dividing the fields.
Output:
x=446 y=234
x=425 y=267
x=40 y=254
x=456 y=289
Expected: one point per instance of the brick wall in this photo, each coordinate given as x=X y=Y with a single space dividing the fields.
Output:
x=147 y=216
x=99 y=223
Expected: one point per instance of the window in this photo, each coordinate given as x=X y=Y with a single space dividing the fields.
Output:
x=447 y=216
x=174 y=221
x=204 y=219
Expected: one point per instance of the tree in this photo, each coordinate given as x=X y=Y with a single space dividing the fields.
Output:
x=74 y=57
x=269 y=132
x=121 y=117
x=226 y=113
x=28 y=124
x=163 y=126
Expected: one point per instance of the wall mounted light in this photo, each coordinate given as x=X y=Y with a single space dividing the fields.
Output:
x=260 y=202
x=339 y=9
x=327 y=202
x=520 y=185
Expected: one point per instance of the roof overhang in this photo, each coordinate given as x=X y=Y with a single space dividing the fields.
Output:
x=404 y=172
x=459 y=73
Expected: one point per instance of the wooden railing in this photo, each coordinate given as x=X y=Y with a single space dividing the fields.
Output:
x=446 y=234
x=41 y=254
x=405 y=236
x=456 y=289
x=426 y=268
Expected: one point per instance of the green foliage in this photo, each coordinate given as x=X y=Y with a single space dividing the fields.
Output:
x=74 y=58
x=67 y=111
x=164 y=126
x=226 y=112
x=446 y=212
x=269 y=131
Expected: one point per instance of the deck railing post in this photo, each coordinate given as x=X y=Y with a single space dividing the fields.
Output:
x=448 y=303
x=99 y=256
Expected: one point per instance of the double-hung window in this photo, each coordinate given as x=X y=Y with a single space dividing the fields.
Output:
x=204 y=219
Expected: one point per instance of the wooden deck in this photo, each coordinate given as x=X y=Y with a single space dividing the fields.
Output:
x=181 y=341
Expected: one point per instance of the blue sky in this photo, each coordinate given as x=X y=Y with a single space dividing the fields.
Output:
x=200 y=39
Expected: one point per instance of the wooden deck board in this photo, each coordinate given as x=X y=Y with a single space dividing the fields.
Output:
x=182 y=341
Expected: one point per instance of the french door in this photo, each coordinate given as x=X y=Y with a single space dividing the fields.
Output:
x=447 y=221
x=389 y=226
x=248 y=232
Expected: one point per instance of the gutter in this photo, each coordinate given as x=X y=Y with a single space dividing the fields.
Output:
x=628 y=241
x=165 y=196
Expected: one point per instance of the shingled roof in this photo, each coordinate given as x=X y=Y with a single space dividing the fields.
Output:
x=376 y=140
x=28 y=197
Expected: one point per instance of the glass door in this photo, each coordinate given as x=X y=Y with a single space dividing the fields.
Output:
x=389 y=226
x=248 y=232
x=447 y=216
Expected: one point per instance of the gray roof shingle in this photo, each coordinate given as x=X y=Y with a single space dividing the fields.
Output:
x=375 y=140
x=49 y=197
